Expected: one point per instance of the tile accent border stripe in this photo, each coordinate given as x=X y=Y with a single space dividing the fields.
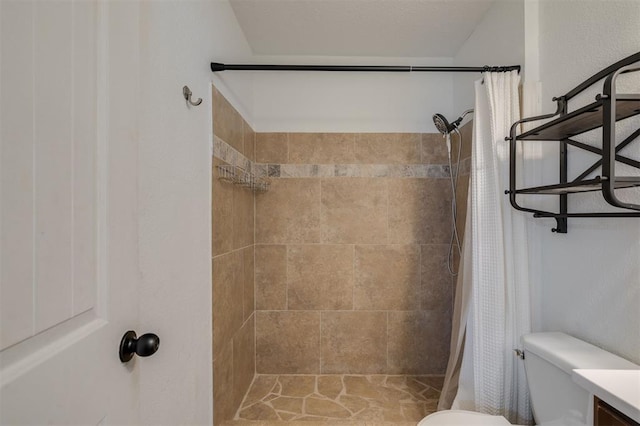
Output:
x=230 y=155
x=465 y=166
x=437 y=171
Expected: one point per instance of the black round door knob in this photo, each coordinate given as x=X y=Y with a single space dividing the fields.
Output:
x=131 y=344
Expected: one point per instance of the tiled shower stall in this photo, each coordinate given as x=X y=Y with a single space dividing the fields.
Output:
x=338 y=270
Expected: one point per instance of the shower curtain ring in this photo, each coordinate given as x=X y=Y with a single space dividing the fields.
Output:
x=186 y=92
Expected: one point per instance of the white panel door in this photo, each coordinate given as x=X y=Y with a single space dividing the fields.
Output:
x=68 y=211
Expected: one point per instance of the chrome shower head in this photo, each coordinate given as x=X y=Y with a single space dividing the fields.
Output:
x=442 y=124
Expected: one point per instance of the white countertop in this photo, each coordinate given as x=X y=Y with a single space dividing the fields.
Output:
x=618 y=388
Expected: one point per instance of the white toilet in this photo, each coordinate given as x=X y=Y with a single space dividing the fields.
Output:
x=555 y=398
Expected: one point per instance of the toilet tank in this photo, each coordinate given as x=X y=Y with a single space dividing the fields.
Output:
x=549 y=361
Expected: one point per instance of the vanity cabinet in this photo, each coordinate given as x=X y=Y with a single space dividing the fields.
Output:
x=606 y=415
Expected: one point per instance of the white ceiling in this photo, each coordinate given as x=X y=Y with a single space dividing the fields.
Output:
x=394 y=28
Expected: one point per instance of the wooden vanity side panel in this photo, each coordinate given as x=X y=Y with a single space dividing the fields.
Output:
x=606 y=415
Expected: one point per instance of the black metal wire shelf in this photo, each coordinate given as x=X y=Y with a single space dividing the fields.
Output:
x=584 y=119
x=608 y=108
x=589 y=185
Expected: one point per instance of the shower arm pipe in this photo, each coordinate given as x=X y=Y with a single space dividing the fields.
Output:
x=217 y=66
x=464 y=114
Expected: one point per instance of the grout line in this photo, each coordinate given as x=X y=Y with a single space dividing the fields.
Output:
x=321 y=236
x=344 y=311
x=388 y=218
x=255 y=326
x=348 y=244
x=286 y=277
x=255 y=214
x=348 y=164
x=255 y=344
x=242 y=134
x=233 y=387
x=232 y=251
x=288 y=142
x=244 y=398
x=353 y=284
x=350 y=374
x=356 y=136
x=421 y=288
x=320 y=338
x=244 y=322
x=388 y=366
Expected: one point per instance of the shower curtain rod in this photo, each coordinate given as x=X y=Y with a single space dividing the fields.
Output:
x=217 y=66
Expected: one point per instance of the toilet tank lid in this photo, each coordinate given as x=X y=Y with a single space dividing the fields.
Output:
x=569 y=353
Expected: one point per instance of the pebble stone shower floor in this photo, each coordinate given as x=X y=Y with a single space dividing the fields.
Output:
x=338 y=399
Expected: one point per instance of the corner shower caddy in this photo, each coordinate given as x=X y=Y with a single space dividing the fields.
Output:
x=238 y=176
x=608 y=108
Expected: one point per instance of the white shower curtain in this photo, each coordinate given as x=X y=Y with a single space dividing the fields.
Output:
x=492 y=378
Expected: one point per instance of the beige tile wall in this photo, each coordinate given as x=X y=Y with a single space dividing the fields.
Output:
x=233 y=218
x=350 y=148
x=346 y=274
x=350 y=272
